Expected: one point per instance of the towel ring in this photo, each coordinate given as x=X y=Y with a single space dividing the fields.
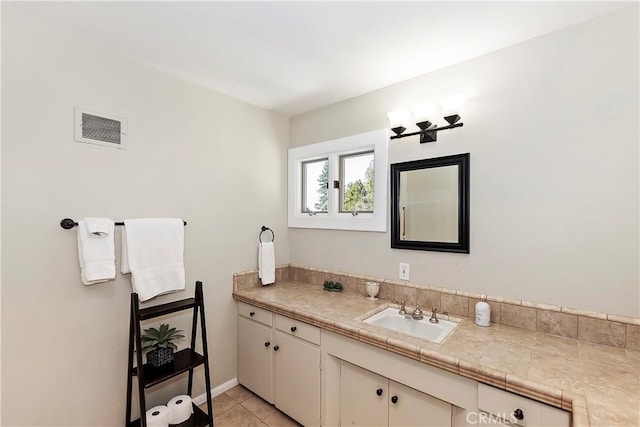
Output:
x=265 y=228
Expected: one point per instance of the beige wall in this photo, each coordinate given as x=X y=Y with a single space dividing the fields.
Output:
x=552 y=128
x=193 y=153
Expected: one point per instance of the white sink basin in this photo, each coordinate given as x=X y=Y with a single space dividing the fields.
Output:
x=390 y=318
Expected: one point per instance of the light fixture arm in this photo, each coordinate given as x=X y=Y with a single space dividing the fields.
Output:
x=428 y=135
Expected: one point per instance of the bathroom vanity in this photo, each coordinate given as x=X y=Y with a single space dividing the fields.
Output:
x=311 y=354
x=279 y=360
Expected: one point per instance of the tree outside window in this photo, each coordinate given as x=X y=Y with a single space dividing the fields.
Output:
x=358 y=182
x=322 y=204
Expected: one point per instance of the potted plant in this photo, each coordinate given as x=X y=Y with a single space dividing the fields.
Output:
x=159 y=344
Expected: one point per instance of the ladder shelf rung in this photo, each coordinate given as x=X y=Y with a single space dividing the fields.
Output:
x=170 y=307
x=198 y=419
x=183 y=361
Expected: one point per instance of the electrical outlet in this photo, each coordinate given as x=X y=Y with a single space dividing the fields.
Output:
x=404 y=271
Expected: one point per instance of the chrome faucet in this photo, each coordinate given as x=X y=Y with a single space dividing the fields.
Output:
x=402 y=310
x=434 y=318
x=417 y=313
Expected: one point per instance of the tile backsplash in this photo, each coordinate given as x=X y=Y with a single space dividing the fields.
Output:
x=599 y=328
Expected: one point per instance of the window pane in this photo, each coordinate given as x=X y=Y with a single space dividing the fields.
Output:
x=357 y=182
x=315 y=189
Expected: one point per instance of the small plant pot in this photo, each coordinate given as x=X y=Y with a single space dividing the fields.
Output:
x=160 y=357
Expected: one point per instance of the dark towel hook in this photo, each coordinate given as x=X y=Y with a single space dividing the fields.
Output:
x=265 y=228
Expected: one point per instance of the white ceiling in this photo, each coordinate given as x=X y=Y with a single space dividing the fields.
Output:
x=293 y=57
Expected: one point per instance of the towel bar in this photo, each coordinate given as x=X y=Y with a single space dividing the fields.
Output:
x=265 y=228
x=68 y=223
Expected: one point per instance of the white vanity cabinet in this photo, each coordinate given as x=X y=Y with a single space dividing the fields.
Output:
x=513 y=409
x=364 y=385
x=297 y=370
x=319 y=377
x=255 y=354
x=279 y=360
x=363 y=397
x=369 y=399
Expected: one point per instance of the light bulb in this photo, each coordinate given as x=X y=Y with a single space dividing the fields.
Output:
x=399 y=118
x=453 y=105
x=424 y=112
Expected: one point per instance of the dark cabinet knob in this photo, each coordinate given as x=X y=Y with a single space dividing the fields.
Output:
x=518 y=414
x=276 y=348
x=394 y=399
x=267 y=344
x=253 y=313
x=379 y=392
x=293 y=329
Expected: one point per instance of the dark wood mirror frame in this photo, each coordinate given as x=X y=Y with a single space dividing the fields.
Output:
x=462 y=245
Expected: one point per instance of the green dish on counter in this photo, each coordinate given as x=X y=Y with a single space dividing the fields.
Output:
x=332 y=286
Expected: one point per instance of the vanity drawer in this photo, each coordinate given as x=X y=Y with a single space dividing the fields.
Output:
x=298 y=329
x=533 y=413
x=254 y=313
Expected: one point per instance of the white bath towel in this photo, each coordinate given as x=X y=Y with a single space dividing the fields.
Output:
x=96 y=252
x=266 y=263
x=153 y=252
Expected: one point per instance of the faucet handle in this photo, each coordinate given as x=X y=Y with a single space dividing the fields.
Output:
x=435 y=310
x=434 y=317
x=402 y=310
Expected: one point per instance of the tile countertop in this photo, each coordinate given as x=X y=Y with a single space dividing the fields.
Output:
x=599 y=384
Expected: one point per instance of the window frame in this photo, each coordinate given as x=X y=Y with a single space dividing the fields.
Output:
x=376 y=141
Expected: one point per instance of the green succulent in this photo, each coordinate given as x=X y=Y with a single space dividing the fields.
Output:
x=161 y=337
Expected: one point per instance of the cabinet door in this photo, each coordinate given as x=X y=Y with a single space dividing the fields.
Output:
x=297 y=379
x=409 y=407
x=255 y=358
x=503 y=404
x=363 y=397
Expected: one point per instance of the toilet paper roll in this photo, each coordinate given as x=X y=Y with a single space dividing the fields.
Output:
x=158 y=416
x=180 y=409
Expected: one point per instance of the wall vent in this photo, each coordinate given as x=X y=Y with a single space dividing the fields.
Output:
x=99 y=128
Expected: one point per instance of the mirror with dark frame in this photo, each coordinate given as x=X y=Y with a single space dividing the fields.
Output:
x=430 y=204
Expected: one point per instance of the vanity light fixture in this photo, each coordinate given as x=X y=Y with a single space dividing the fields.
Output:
x=424 y=115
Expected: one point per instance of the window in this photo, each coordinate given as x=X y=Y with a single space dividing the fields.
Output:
x=357 y=182
x=315 y=187
x=340 y=184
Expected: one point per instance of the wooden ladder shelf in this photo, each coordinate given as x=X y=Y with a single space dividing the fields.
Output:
x=185 y=360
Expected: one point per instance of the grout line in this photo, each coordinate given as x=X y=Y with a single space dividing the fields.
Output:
x=216 y=414
x=263 y=422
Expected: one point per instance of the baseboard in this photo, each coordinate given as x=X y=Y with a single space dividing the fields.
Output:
x=199 y=400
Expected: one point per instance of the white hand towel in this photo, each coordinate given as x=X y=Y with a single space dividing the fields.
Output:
x=96 y=253
x=99 y=226
x=153 y=251
x=266 y=263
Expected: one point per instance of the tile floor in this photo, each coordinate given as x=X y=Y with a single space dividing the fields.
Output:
x=239 y=407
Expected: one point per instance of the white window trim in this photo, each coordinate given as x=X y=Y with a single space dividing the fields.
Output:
x=377 y=141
